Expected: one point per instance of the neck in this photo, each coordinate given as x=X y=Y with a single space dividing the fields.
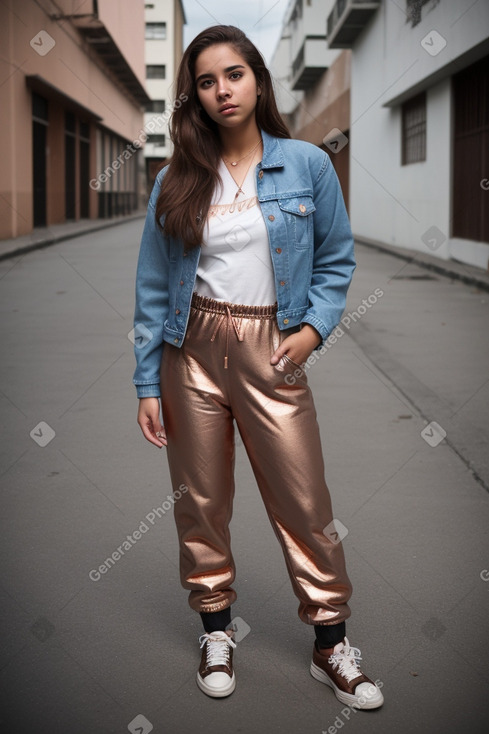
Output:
x=236 y=142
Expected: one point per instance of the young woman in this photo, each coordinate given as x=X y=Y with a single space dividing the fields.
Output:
x=245 y=261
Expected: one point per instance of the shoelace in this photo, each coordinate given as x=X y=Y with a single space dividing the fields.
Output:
x=347 y=660
x=218 y=647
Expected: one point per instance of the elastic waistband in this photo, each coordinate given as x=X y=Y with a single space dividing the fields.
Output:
x=210 y=305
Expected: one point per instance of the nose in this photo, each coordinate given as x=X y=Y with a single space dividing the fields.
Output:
x=222 y=90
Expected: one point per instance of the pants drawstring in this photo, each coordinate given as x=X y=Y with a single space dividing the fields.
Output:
x=236 y=323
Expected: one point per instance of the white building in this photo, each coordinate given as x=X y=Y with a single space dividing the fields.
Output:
x=312 y=82
x=419 y=132
x=405 y=87
x=164 y=21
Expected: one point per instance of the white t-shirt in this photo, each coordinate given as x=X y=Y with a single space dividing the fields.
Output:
x=235 y=263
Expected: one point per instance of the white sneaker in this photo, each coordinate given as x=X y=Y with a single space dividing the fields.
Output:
x=339 y=668
x=215 y=675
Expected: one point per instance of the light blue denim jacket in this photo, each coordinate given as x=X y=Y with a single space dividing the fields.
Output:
x=311 y=247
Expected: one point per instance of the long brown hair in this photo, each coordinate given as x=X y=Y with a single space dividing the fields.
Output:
x=188 y=185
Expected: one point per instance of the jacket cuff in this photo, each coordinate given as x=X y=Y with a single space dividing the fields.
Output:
x=319 y=326
x=148 y=391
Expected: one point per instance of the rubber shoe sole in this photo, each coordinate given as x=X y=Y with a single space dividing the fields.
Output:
x=216 y=693
x=362 y=701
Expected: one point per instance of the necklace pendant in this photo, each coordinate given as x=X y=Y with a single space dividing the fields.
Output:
x=234 y=163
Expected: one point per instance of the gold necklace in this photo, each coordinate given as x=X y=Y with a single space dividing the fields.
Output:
x=235 y=163
x=240 y=190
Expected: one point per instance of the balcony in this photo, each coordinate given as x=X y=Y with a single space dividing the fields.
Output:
x=347 y=19
x=309 y=64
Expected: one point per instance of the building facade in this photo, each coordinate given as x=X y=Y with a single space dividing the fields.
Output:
x=72 y=87
x=419 y=132
x=313 y=83
x=164 y=21
x=398 y=96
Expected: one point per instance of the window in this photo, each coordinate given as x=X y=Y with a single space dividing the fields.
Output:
x=156 y=105
x=414 y=130
x=156 y=72
x=39 y=108
x=155 y=31
x=156 y=139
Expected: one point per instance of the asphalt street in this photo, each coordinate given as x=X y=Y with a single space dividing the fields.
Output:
x=402 y=401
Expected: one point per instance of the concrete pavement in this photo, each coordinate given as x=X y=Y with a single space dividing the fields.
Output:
x=118 y=651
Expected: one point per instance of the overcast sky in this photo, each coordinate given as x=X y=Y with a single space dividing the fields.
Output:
x=261 y=20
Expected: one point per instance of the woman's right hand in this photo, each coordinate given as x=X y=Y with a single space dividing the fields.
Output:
x=149 y=421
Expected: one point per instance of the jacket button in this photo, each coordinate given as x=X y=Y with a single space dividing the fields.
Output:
x=176 y=340
x=286 y=321
x=282 y=282
x=271 y=217
x=177 y=310
x=278 y=249
x=181 y=282
x=302 y=208
x=260 y=175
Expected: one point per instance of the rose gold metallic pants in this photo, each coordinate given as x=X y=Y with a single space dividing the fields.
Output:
x=223 y=372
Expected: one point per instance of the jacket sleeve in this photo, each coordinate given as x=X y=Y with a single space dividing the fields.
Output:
x=333 y=259
x=151 y=308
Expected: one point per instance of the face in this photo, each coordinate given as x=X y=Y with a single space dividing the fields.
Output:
x=224 y=78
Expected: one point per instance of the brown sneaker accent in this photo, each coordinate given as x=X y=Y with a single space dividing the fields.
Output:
x=341 y=671
x=215 y=675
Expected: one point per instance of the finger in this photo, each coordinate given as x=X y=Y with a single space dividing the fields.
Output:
x=276 y=357
x=149 y=433
x=159 y=431
x=151 y=436
x=161 y=434
x=279 y=352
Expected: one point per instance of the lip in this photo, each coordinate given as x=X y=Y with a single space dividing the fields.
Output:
x=227 y=109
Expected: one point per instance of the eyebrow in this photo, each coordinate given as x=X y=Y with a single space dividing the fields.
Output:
x=229 y=68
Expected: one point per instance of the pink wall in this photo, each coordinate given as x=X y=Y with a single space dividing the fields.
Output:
x=72 y=68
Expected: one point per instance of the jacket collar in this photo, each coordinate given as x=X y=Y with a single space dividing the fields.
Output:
x=273 y=156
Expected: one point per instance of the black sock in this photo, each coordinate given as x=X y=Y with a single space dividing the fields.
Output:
x=328 y=635
x=214 y=621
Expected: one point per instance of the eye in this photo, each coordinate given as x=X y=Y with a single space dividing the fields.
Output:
x=237 y=74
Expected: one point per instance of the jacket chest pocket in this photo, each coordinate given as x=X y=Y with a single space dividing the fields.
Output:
x=298 y=213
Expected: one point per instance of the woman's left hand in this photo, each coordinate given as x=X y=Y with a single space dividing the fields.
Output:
x=298 y=346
